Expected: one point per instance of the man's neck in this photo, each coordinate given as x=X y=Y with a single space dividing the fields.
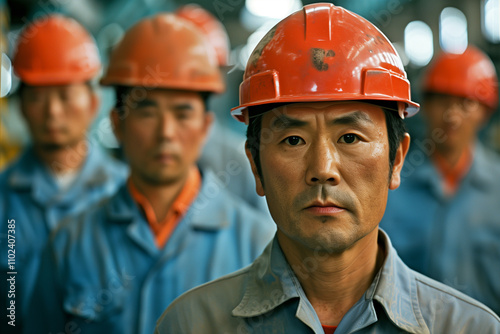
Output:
x=336 y=282
x=452 y=155
x=160 y=196
x=63 y=159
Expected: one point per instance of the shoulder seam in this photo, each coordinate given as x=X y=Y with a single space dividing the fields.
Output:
x=477 y=304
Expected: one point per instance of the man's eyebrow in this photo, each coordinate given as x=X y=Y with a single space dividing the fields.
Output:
x=146 y=103
x=183 y=106
x=353 y=118
x=282 y=122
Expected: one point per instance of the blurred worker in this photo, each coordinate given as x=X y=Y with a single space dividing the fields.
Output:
x=173 y=226
x=224 y=153
x=324 y=94
x=61 y=173
x=445 y=217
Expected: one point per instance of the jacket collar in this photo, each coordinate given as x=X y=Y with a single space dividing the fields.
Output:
x=395 y=289
x=29 y=173
x=425 y=172
x=272 y=282
x=483 y=167
x=204 y=213
x=25 y=170
x=419 y=169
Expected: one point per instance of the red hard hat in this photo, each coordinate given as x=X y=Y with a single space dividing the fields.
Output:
x=470 y=74
x=324 y=53
x=55 y=50
x=165 y=51
x=213 y=29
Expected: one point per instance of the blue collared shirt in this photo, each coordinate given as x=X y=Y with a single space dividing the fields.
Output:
x=455 y=240
x=32 y=199
x=105 y=274
x=267 y=297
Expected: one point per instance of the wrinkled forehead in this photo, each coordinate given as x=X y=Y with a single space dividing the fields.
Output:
x=312 y=111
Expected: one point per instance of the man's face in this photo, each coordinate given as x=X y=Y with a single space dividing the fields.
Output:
x=58 y=116
x=458 y=119
x=162 y=134
x=325 y=172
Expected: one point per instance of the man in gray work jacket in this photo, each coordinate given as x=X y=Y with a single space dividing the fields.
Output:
x=324 y=94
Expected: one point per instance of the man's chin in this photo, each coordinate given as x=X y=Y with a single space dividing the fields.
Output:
x=163 y=179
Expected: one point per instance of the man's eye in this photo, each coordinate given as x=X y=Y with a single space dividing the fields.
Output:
x=182 y=115
x=349 y=138
x=145 y=112
x=293 y=140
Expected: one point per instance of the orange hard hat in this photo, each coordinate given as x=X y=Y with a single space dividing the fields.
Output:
x=165 y=51
x=213 y=29
x=324 y=53
x=55 y=50
x=470 y=74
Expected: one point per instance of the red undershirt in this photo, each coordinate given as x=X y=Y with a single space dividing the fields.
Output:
x=329 y=329
x=163 y=229
x=453 y=175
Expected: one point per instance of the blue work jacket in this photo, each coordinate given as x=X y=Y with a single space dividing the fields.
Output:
x=267 y=297
x=32 y=203
x=455 y=240
x=104 y=273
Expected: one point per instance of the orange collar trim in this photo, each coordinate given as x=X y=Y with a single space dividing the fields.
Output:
x=163 y=229
x=453 y=175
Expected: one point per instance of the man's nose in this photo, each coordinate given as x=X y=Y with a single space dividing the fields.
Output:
x=53 y=106
x=167 y=126
x=322 y=164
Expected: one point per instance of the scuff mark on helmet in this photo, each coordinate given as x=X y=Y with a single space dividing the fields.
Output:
x=318 y=58
x=257 y=52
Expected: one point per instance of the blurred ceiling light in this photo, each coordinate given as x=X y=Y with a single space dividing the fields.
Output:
x=109 y=36
x=491 y=20
x=6 y=83
x=259 y=12
x=418 y=43
x=275 y=9
x=252 y=42
x=453 y=30
x=260 y=16
x=400 y=49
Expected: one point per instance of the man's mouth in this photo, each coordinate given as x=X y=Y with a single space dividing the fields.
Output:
x=324 y=208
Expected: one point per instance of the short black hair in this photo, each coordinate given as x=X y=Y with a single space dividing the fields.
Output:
x=396 y=130
x=123 y=91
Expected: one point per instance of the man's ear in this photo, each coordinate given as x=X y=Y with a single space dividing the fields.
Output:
x=398 y=162
x=258 y=182
x=114 y=116
x=485 y=115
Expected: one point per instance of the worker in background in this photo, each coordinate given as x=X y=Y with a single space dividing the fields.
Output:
x=324 y=95
x=224 y=153
x=173 y=225
x=445 y=217
x=61 y=173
